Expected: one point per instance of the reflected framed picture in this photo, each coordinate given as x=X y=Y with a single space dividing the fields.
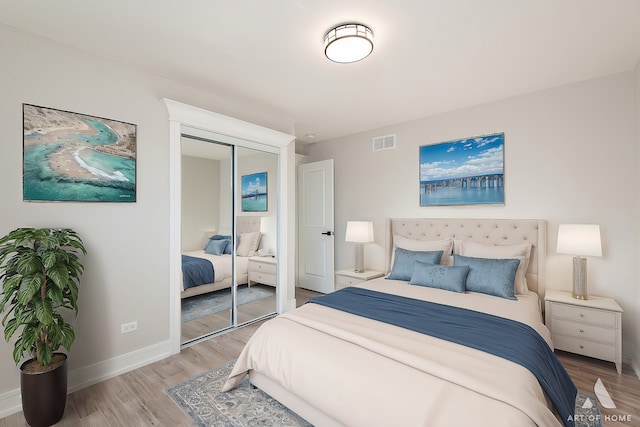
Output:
x=467 y=171
x=73 y=157
x=254 y=192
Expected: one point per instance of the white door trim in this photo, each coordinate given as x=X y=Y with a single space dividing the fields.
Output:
x=243 y=134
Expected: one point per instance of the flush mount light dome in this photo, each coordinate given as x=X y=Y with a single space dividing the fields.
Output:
x=348 y=43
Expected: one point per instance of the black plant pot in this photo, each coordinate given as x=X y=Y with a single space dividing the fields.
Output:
x=44 y=395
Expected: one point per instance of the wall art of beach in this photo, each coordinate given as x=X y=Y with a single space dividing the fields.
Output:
x=76 y=157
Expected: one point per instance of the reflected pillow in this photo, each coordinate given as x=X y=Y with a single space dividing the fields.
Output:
x=249 y=243
x=489 y=276
x=404 y=260
x=217 y=246
x=449 y=278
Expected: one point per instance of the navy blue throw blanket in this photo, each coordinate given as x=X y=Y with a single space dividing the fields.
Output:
x=196 y=271
x=501 y=337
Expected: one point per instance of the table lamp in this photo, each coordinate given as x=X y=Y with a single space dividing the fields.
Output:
x=359 y=232
x=579 y=240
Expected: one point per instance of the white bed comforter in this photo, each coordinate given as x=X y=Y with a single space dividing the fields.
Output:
x=362 y=372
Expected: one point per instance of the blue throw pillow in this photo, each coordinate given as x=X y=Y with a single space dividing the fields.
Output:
x=440 y=276
x=216 y=246
x=404 y=261
x=490 y=276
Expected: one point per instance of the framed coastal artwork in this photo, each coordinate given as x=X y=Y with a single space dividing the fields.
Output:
x=254 y=192
x=467 y=171
x=73 y=157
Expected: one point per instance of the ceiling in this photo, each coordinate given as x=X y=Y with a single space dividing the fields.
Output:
x=430 y=56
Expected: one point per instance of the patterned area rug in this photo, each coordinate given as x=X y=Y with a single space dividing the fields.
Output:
x=201 y=399
x=587 y=411
x=203 y=305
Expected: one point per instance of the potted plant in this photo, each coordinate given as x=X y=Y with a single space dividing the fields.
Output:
x=40 y=271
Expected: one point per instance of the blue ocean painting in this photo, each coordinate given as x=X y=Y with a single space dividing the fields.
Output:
x=254 y=192
x=463 y=172
x=75 y=157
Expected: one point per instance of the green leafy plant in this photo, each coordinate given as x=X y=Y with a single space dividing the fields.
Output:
x=40 y=272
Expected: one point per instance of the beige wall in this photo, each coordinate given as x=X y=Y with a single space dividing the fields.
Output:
x=126 y=270
x=200 y=200
x=569 y=157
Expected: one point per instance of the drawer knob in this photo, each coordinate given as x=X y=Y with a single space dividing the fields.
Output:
x=581 y=315
x=581 y=347
x=581 y=330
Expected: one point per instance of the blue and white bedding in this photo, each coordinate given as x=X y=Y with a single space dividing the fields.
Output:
x=196 y=271
x=501 y=337
x=378 y=374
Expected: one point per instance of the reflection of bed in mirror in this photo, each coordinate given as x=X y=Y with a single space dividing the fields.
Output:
x=195 y=267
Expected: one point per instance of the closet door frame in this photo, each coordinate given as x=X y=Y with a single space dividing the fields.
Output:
x=195 y=121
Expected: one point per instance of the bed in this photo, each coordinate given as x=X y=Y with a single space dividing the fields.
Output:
x=195 y=262
x=337 y=368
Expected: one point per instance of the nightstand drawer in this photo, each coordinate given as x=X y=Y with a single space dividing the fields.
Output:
x=581 y=314
x=584 y=347
x=581 y=330
x=342 y=281
x=262 y=267
x=265 y=279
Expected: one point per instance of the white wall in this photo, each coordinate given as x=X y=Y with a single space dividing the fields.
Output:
x=569 y=157
x=126 y=270
x=200 y=201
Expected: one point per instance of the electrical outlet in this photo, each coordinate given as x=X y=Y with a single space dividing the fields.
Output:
x=128 y=327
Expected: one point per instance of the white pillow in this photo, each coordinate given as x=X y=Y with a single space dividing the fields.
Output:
x=249 y=243
x=521 y=252
x=445 y=245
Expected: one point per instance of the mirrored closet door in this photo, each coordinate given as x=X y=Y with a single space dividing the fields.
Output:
x=228 y=236
x=256 y=203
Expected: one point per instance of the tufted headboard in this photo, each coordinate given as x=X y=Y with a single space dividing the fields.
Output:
x=485 y=231
x=248 y=224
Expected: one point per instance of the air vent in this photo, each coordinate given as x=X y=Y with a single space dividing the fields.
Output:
x=385 y=142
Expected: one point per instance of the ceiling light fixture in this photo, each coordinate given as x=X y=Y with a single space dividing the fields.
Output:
x=348 y=43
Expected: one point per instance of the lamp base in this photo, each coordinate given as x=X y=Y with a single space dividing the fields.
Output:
x=579 y=278
x=359 y=268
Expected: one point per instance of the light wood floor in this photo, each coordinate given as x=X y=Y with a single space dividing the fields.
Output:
x=221 y=320
x=138 y=398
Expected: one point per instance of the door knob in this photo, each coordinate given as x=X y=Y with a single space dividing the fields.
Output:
x=327 y=233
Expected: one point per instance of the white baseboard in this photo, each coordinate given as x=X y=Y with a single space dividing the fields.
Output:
x=11 y=402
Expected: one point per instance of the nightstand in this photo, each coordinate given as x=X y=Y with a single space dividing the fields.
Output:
x=349 y=277
x=263 y=270
x=591 y=327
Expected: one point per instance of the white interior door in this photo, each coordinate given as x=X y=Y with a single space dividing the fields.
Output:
x=315 y=222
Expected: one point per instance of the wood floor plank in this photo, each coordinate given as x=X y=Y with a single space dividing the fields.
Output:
x=138 y=398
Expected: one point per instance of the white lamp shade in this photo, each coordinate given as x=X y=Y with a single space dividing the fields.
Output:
x=359 y=231
x=579 y=239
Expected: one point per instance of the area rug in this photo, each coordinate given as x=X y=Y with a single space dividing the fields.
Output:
x=203 y=305
x=201 y=399
x=587 y=411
